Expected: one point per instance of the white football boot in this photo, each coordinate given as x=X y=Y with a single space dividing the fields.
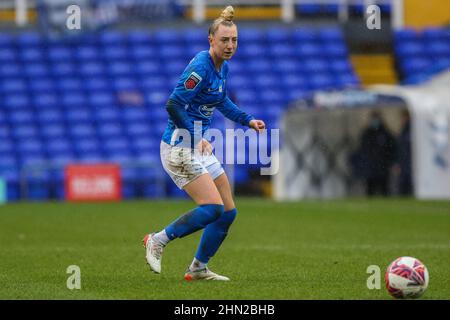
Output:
x=203 y=274
x=154 y=252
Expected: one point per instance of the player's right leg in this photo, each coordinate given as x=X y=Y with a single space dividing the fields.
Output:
x=191 y=176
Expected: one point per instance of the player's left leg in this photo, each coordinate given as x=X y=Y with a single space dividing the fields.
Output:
x=215 y=233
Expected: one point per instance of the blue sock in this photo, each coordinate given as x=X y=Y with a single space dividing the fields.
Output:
x=214 y=235
x=194 y=220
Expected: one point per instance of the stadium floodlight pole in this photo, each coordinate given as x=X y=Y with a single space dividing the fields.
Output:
x=21 y=12
x=198 y=7
x=287 y=11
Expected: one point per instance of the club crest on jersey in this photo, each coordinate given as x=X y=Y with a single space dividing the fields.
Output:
x=192 y=81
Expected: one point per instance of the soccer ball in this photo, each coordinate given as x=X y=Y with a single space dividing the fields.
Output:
x=406 y=277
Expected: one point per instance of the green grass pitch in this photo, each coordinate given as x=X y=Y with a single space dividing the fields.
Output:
x=297 y=250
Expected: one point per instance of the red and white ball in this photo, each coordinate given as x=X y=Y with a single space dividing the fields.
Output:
x=406 y=277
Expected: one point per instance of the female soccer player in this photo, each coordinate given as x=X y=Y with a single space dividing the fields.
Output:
x=201 y=89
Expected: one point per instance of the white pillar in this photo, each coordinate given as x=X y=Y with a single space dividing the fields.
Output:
x=21 y=12
x=398 y=11
x=287 y=10
x=343 y=11
x=198 y=10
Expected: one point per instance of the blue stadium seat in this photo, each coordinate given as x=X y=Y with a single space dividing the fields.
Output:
x=278 y=35
x=13 y=85
x=59 y=53
x=6 y=147
x=309 y=50
x=134 y=114
x=78 y=115
x=192 y=50
x=175 y=68
x=432 y=34
x=45 y=100
x=313 y=66
x=141 y=37
x=4 y=132
x=259 y=66
x=116 y=144
x=36 y=70
x=8 y=55
x=293 y=81
x=120 y=68
x=304 y=35
x=91 y=157
x=143 y=53
x=58 y=145
x=308 y=8
x=113 y=53
x=331 y=35
x=83 y=130
x=148 y=68
x=73 y=99
x=171 y=51
x=96 y=84
x=410 y=49
x=63 y=69
x=69 y=84
x=139 y=129
x=415 y=65
x=167 y=36
x=335 y=50
x=30 y=39
x=340 y=66
x=109 y=130
x=129 y=176
x=87 y=53
x=112 y=38
x=16 y=101
x=251 y=50
x=10 y=70
x=21 y=117
x=29 y=146
x=195 y=35
x=28 y=55
x=6 y=40
x=281 y=51
x=101 y=99
x=125 y=84
x=251 y=35
x=32 y=160
x=51 y=131
x=287 y=65
x=92 y=69
x=41 y=84
x=86 y=146
x=438 y=49
x=103 y=114
x=321 y=81
x=156 y=98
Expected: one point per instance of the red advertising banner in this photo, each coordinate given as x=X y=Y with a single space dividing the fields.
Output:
x=95 y=182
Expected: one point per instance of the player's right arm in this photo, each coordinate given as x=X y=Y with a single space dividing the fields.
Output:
x=191 y=82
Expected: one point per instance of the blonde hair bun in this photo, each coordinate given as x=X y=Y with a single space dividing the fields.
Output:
x=228 y=13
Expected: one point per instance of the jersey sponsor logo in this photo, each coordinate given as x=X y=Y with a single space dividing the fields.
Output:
x=206 y=111
x=192 y=81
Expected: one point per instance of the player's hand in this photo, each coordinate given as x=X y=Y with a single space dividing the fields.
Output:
x=258 y=125
x=204 y=147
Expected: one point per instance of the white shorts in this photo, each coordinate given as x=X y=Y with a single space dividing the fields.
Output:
x=184 y=166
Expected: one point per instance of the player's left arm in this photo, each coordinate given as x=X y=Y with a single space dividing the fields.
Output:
x=232 y=112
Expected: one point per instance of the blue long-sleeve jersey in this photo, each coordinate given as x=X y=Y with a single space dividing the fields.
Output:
x=200 y=90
